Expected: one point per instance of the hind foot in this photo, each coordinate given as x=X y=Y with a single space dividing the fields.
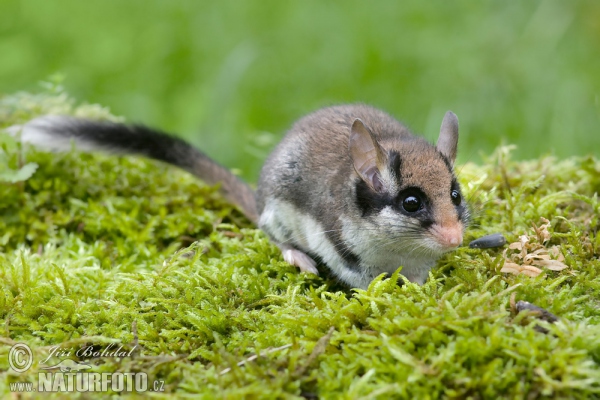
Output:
x=299 y=259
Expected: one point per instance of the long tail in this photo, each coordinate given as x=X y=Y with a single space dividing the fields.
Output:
x=59 y=133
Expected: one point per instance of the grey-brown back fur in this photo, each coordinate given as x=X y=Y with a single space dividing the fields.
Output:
x=311 y=167
x=313 y=157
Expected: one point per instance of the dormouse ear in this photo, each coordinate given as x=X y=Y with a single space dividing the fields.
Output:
x=448 y=140
x=367 y=155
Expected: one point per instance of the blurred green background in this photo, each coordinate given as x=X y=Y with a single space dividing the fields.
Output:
x=231 y=76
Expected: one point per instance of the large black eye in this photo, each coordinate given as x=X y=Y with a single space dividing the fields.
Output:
x=411 y=204
x=456 y=198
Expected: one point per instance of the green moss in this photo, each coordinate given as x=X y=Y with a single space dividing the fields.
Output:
x=98 y=250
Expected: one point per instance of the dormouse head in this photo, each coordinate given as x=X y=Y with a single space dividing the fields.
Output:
x=406 y=189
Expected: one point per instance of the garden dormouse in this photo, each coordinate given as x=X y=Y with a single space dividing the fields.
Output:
x=348 y=187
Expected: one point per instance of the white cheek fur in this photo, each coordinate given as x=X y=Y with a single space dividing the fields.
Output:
x=385 y=243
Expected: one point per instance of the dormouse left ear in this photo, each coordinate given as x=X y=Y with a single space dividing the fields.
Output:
x=448 y=139
x=368 y=157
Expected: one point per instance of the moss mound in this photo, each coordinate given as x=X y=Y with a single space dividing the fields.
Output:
x=100 y=252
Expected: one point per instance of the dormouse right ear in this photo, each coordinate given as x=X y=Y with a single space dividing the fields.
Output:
x=367 y=155
x=448 y=139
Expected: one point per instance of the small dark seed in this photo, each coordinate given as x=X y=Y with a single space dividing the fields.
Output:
x=488 y=241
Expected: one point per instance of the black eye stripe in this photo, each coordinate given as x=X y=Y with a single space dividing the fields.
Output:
x=370 y=202
x=456 y=197
x=395 y=163
x=455 y=193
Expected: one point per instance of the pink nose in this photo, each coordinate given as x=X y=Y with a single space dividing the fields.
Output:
x=448 y=236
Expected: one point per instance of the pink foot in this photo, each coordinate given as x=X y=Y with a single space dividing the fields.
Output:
x=299 y=259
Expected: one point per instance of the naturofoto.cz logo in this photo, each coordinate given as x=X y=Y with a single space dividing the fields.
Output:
x=73 y=376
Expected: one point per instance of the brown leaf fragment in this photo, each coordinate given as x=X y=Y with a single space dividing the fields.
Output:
x=542 y=232
x=530 y=271
x=532 y=254
x=511 y=268
x=513 y=305
x=534 y=258
x=542 y=251
x=516 y=269
x=553 y=265
x=555 y=252
x=524 y=239
x=515 y=246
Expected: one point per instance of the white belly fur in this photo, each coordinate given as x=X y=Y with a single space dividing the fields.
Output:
x=279 y=218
